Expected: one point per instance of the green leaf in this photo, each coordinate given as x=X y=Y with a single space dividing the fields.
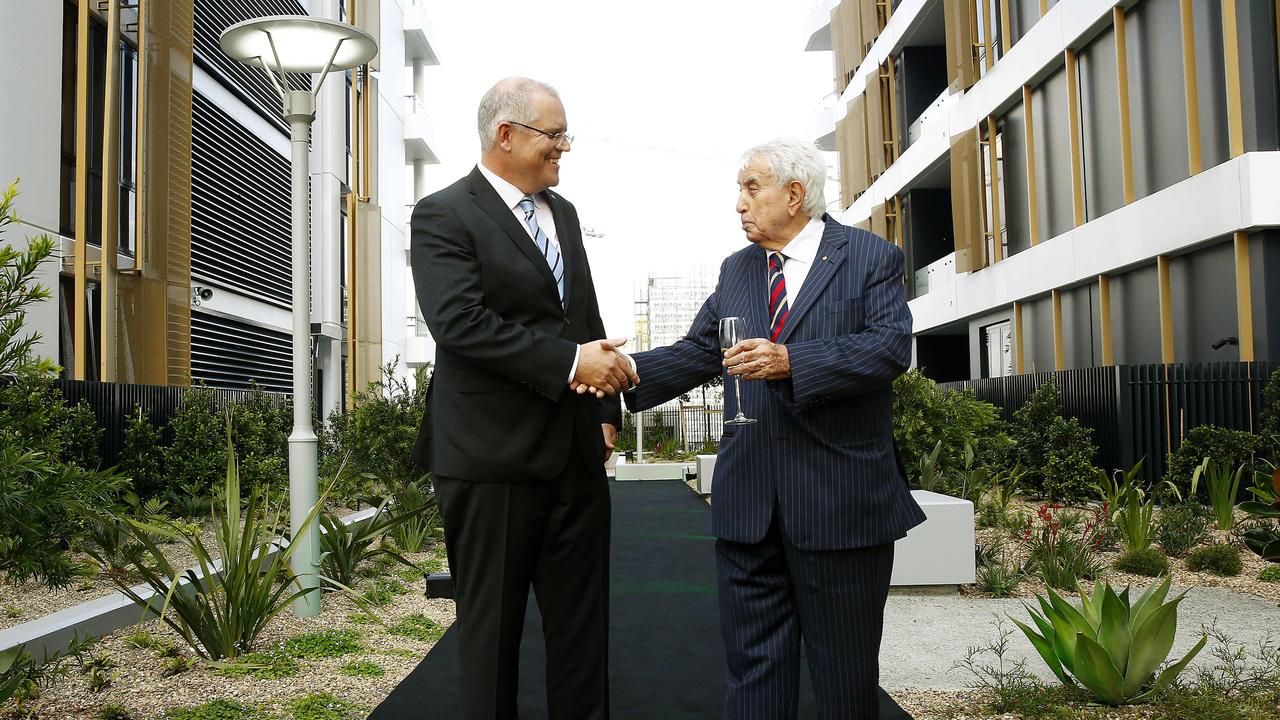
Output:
x=1096 y=672
x=1046 y=650
x=1113 y=633
x=1170 y=673
x=1150 y=599
x=1152 y=640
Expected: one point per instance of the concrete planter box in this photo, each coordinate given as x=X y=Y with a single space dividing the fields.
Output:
x=611 y=464
x=649 y=471
x=706 y=472
x=939 y=551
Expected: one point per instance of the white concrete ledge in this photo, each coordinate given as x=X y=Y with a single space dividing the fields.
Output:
x=939 y=551
x=649 y=471
x=100 y=616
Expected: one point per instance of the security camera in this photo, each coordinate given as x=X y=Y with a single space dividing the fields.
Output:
x=199 y=294
x=1226 y=341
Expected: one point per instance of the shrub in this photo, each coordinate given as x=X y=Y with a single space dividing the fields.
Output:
x=1218 y=559
x=1182 y=527
x=260 y=428
x=376 y=436
x=346 y=546
x=219 y=709
x=142 y=457
x=924 y=414
x=1222 y=483
x=197 y=458
x=1270 y=574
x=1227 y=448
x=112 y=712
x=1150 y=562
x=1056 y=452
x=1269 y=429
x=1110 y=647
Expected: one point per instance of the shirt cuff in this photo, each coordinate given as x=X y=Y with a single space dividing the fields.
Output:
x=577 y=353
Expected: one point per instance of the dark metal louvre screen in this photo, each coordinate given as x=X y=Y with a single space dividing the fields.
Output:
x=113 y=405
x=229 y=353
x=251 y=84
x=240 y=207
x=1139 y=411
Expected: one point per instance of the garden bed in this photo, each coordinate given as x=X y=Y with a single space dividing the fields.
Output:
x=358 y=674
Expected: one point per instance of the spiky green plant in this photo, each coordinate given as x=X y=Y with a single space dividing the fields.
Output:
x=221 y=610
x=1110 y=648
x=344 y=547
x=1264 y=540
x=1223 y=484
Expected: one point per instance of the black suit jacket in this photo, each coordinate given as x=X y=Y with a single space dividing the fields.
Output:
x=499 y=407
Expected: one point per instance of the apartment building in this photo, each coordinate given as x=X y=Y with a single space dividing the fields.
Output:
x=1075 y=183
x=162 y=168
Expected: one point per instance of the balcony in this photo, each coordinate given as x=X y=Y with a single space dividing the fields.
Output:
x=418 y=34
x=419 y=133
x=824 y=121
x=818 y=26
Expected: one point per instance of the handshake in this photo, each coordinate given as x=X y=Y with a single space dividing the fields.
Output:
x=603 y=369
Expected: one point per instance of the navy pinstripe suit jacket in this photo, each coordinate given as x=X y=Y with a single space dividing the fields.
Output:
x=822 y=450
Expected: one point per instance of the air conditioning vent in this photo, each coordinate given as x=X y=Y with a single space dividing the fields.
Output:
x=228 y=353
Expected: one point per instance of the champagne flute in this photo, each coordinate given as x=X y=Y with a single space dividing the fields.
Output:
x=732 y=330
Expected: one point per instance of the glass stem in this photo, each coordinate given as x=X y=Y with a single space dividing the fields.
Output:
x=737 y=390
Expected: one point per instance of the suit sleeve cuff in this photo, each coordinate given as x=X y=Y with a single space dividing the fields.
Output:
x=577 y=353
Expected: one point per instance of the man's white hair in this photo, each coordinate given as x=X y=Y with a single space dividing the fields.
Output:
x=792 y=160
x=510 y=100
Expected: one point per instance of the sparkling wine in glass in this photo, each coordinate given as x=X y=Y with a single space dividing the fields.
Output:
x=732 y=331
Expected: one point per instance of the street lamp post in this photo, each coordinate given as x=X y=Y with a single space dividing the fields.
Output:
x=300 y=44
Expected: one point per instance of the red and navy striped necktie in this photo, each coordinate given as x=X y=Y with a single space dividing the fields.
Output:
x=777 y=296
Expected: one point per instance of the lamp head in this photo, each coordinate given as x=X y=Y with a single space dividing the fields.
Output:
x=298 y=44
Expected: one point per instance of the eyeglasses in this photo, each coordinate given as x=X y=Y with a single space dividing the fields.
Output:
x=556 y=137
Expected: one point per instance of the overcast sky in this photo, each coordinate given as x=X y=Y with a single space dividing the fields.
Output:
x=662 y=97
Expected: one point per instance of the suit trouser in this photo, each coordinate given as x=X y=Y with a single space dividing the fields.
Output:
x=773 y=594
x=501 y=539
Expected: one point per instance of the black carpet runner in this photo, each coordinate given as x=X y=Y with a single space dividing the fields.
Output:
x=666 y=659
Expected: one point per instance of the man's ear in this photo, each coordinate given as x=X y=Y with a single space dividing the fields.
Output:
x=795 y=197
x=503 y=136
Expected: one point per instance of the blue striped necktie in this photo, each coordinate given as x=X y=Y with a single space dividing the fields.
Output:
x=777 y=296
x=549 y=250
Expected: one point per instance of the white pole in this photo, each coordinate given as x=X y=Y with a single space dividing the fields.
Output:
x=300 y=110
x=639 y=437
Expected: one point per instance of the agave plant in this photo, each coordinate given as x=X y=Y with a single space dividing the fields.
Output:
x=221 y=611
x=1110 y=648
x=1263 y=540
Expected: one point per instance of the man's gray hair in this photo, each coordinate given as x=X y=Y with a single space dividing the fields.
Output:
x=791 y=160
x=510 y=100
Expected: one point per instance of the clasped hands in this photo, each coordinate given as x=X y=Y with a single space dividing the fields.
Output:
x=603 y=369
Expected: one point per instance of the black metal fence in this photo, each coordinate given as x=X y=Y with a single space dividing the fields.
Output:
x=113 y=404
x=690 y=426
x=1139 y=411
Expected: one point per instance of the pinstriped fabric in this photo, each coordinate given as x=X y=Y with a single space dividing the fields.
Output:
x=822 y=451
x=809 y=500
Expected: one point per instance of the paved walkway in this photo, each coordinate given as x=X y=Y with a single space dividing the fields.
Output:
x=925 y=634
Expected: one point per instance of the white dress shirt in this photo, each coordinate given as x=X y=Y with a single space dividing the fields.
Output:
x=512 y=195
x=799 y=255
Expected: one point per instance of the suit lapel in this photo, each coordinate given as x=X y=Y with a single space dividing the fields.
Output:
x=488 y=200
x=830 y=255
x=757 y=289
x=568 y=248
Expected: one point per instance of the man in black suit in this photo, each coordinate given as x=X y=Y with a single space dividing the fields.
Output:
x=515 y=446
x=810 y=498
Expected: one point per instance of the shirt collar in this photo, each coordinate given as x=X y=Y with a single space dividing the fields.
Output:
x=804 y=246
x=510 y=194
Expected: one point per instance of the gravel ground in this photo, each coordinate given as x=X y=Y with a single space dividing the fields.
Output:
x=141 y=688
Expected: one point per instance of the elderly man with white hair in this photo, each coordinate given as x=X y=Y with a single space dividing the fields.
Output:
x=810 y=497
